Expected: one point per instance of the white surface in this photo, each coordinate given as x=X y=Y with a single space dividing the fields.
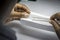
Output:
x=31 y=32
x=25 y=37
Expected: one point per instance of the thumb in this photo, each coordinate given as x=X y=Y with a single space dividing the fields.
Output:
x=55 y=25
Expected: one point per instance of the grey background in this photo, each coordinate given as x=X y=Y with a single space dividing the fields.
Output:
x=44 y=7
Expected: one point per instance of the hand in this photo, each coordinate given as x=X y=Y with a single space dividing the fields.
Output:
x=55 y=21
x=19 y=11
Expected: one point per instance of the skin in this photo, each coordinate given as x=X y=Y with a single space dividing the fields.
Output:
x=19 y=11
x=54 y=21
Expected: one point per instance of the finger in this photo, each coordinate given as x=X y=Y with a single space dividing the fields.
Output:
x=55 y=25
x=19 y=14
x=23 y=7
x=15 y=18
x=7 y=20
x=58 y=16
x=11 y=19
x=57 y=21
x=24 y=15
x=55 y=16
x=16 y=14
